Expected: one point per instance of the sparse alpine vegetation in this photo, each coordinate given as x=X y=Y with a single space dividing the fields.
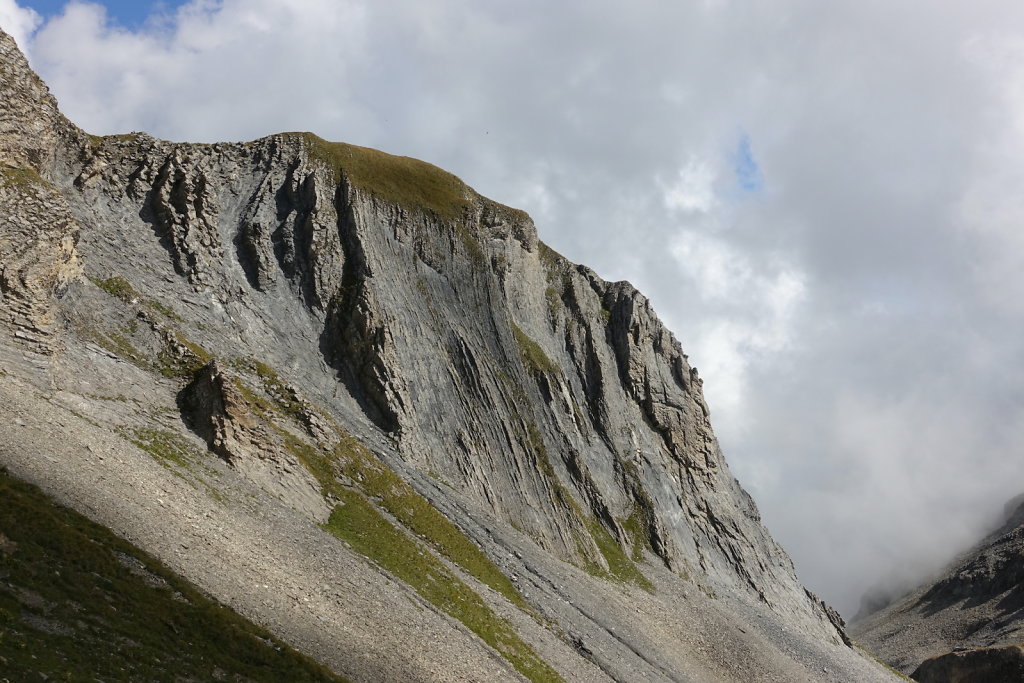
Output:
x=78 y=603
x=400 y=180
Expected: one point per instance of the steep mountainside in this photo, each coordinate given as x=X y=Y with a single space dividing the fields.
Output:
x=975 y=607
x=368 y=408
x=115 y=613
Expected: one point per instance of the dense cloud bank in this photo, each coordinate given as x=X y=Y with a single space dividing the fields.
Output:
x=823 y=200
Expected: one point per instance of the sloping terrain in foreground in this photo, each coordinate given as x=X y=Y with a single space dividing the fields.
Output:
x=78 y=603
x=368 y=409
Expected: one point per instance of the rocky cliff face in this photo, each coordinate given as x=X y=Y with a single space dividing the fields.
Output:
x=373 y=345
x=959 y=620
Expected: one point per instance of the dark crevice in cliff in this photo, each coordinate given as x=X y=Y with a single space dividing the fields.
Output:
x=155 y=214
x=182 y=210
x=354 y=338
x=252 y=237
x=282 y=238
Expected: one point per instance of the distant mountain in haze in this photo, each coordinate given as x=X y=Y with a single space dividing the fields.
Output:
x=968 y=620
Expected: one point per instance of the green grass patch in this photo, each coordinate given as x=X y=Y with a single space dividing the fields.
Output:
x=532 y=354
x=634 y=528
x=368 y=532
x=163 y=309
x=98 y=141
x=122 y=289
x=169 y=449
x=77 y=603
x=359 y=522
x=181 y=360
x=25 y=179
x=172 y=362
x=640 y=521
x=257 y=403
x=121 y=346
x=118 y=345
x=283 y=397
x=117 y=287
x=378 y=482
x=401 y=180
x=416 y=513
x=175 y=454
x=323 y=466
x=620 y=566
x=283 y=400
x=407 y=182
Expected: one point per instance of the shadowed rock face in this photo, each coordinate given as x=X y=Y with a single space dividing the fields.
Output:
x=986 y=665
x=294 y=297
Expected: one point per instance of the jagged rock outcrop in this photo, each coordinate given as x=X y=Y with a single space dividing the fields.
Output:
x=32 y=129
x=38 y=232
x=38 y=256
x=217 y=408
x=366 y=342
x=975 y=604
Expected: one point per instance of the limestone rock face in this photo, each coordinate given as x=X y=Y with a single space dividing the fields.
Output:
x=38 y=233
x=38 y=256
x=30 y=123
x=354 y=335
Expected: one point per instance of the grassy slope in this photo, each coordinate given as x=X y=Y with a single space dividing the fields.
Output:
x=399 y=180
x=80 y=604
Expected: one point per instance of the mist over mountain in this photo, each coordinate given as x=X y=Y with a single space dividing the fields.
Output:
x=964 y=623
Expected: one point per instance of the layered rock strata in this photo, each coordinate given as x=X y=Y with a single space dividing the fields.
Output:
x=372 y=344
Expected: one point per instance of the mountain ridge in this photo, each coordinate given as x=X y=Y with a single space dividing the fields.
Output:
x=359 y=339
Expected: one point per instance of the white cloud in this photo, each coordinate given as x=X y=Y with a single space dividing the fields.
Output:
x=692 y=190
x=231 y=70
x=753 y=307
x=991 y=206
x=19 y=22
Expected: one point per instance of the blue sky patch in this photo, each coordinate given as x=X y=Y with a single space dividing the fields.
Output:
x=127 y=13
x=748 y=173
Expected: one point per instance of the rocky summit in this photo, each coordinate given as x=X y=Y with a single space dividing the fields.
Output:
x=366 y=408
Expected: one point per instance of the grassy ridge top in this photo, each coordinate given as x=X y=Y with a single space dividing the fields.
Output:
x=405 y=181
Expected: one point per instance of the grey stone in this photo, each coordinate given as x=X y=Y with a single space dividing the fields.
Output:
x=268 y=299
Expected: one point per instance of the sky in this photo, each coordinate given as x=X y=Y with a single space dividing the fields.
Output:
x=822 y=200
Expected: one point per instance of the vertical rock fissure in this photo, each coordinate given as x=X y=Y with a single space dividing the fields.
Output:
x=355 y=339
